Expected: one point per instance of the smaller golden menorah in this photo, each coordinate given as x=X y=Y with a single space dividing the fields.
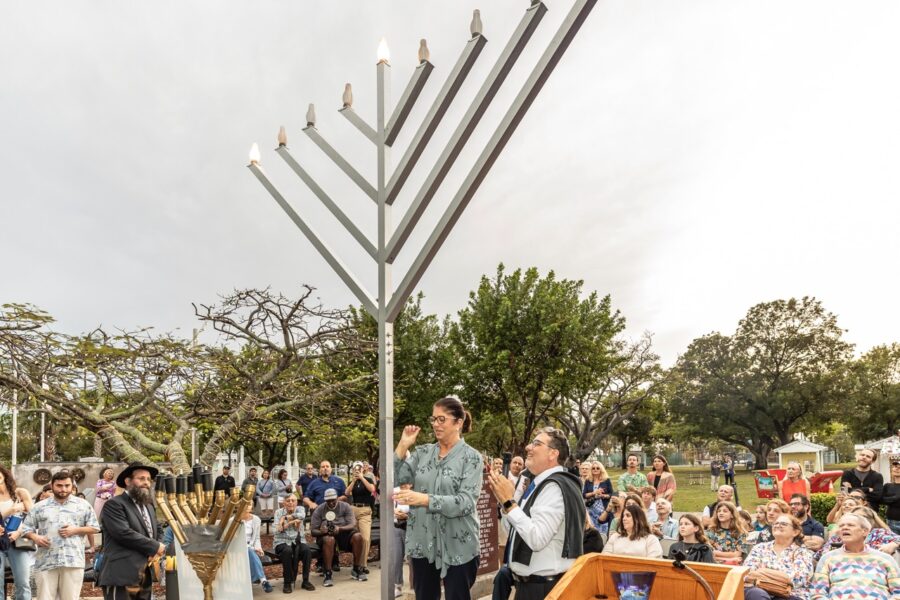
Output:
x=204 y=522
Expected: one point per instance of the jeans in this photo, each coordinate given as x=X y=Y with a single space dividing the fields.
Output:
x=256 y=568
x=20 y=564
x=894 y=526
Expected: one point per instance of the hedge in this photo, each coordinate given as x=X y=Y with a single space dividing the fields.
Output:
x=821 y=505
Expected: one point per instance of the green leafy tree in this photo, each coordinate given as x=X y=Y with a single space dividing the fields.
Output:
x=525 y=343
x=778 y=373
x=874 y=410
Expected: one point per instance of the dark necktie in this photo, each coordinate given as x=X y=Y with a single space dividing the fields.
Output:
x=508 y=551
x=146 y=517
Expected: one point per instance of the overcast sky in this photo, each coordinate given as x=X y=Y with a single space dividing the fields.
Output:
x=689 y=158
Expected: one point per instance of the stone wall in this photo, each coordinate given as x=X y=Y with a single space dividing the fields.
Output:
x=25 y=474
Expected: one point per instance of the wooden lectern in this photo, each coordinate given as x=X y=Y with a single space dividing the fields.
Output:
x=591 y=576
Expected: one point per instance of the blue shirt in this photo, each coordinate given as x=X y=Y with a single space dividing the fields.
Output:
x=812 y=527
x=304 y=482
x=316 y=491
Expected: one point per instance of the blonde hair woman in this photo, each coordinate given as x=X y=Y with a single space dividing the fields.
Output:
x=794 y=482
x=597 y=492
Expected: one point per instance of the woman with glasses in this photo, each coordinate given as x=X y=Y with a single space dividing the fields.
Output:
x=661 y=478
x=597 y=491
x=442 y=527
x=891 y=496
x=786 y=554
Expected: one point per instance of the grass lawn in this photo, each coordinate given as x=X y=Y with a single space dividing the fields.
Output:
x=692 y=498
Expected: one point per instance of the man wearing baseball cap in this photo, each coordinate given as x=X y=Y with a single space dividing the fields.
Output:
x=334 y=527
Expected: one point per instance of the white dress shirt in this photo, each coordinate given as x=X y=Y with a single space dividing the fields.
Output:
x=520 y=481
x=544 y=531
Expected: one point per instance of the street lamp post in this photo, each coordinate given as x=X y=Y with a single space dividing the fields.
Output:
x=390 y=240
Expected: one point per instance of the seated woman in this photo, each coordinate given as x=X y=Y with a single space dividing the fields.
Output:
x=774 y=508
x=597 y=492
x=879 y=537
x=665 y=526
x=843 y=505
x=785 y=553
x=794 y=482
x=691 y=540
x=592 y=541
x=726 y=535
x=254 y=549
x=633 y=537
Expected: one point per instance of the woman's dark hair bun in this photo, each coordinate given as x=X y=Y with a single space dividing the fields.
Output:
x=454 y=406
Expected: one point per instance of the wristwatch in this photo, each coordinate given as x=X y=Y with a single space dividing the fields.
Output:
x=508 y=504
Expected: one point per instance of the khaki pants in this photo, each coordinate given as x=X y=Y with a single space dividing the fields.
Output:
x=64 y=582
x=363 y=516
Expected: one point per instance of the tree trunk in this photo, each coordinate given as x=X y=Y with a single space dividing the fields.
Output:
x=98 y=446
x=760 y=456
x=624 y=452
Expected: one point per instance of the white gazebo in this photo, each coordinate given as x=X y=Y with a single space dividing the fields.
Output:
x=810 y=456
x=887 y=449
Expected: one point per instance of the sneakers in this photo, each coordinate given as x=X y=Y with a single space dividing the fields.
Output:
x=308 y=586
x=266 y=586
x=328 y=581
x=365 y=569
x=287 y=589
x=357 y=574
x=336 y=568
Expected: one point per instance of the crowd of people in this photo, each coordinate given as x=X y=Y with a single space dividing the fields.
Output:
x=551 y=512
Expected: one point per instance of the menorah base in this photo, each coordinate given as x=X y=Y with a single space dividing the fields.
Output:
x=220 y=574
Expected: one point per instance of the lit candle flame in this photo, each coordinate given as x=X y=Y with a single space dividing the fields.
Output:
x=384 y=53
x=254 y=154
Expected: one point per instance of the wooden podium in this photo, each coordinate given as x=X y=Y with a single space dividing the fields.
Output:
x=591 y=575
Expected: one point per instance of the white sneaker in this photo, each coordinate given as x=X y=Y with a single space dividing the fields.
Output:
x=398 y=590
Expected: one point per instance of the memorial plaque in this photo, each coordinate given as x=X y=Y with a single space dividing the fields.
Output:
x=488 y=533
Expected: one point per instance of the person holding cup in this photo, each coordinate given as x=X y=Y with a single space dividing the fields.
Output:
x=14 y=503
x=57 y=527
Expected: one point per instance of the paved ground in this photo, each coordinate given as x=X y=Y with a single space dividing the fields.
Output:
x=344 y=588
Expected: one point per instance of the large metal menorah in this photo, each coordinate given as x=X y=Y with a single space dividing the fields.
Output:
x=389 y=301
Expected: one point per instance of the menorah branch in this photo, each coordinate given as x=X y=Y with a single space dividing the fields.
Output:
x=407 y=101
x=335 y=210
x=342 y=164
x=359 y=123
x=438 y=109
x=545 y=65
x=464 y=130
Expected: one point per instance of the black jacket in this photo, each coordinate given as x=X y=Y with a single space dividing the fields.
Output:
x=574 y=512
x=698 y=552
x=126 y=543
x=873 y=486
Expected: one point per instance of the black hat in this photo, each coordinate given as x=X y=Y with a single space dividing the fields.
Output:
x=129 y=471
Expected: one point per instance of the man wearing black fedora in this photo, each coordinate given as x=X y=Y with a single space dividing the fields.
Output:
x=131 y=537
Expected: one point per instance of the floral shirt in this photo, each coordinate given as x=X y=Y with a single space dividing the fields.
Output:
x=46 y=518
x=104 y=489
x=637 y=480
x=446 y=531
x=794 y=560
x=725 y=540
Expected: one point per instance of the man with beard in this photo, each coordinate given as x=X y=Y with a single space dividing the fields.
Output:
x=334 y=526
x=813 y=531
x=131 y=537
x=57 y=527
x=865 y=478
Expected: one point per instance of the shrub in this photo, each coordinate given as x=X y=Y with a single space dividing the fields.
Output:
x=821 y=505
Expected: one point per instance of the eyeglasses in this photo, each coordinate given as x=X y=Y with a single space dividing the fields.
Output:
x=796 y=503
x=439 y=420
x=781 y=524
x=595 y=468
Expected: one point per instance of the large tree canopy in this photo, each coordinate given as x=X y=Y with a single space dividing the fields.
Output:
x=875 y=392
x=780 y=371
x=525 y=343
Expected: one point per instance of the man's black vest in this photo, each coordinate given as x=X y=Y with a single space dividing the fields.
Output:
x=573 y=505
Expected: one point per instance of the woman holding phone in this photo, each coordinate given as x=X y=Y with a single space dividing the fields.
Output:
x=14 y=503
